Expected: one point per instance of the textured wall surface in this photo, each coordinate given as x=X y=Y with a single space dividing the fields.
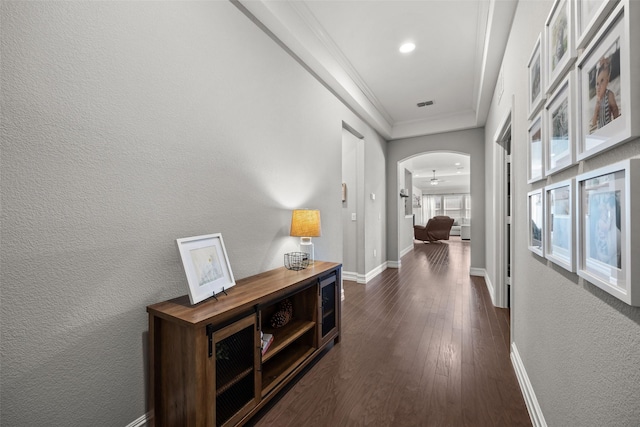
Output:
x=127 y=125
x=579 y=345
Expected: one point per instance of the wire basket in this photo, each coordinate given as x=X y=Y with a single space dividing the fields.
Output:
x=296 y=260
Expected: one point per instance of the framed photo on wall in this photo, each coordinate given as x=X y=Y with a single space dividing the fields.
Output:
x=206 y=265
x=535 y=150
x=559 y=113
x=608 y=246
x=559 y=37
x=560 y=224
x=608 y=93
x=535 y=217
x=590 y=14
x=535 y=70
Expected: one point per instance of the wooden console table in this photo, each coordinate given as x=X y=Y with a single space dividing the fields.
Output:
x=206 y=367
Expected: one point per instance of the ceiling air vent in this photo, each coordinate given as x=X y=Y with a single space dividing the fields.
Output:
x=425 y=103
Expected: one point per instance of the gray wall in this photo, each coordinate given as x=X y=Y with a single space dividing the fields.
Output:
x=579 y=345
x=471 y=142
x=126 y=125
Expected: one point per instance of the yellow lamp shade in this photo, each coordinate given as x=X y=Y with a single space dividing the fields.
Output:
x=305 y=223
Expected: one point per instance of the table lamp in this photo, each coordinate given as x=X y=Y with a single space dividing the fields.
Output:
x=305 y=223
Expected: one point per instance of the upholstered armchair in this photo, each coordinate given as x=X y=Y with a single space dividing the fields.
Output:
x=437 y=228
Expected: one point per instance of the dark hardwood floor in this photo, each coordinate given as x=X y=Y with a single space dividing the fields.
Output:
x=421 y=346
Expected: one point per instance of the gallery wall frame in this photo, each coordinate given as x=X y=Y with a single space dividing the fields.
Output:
x=607 y=239
x=535 y=219
x=560 y=224
x=535 y=149
x=535 y=69
x=605 y=116
x=559 y=115
x=206 y=265
x=559 y=37
x=590 y=14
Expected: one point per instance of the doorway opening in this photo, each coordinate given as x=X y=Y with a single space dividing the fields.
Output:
x=437 y=183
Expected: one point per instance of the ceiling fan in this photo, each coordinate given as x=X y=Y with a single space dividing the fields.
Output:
x=434 y=180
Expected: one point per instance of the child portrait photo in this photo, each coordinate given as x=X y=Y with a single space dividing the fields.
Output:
x=604 y=89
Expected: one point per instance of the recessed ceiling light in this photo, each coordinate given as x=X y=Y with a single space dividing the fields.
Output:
x=407 y=47
x=457 y=163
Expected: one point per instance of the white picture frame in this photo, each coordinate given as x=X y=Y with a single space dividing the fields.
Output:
x=535 y=149
x=559 y=113
x=609 y=61
x=590 y=14
x=559 y=36
x=608 y=245
x=536 y=74
x=535 y=221
x=560 y=241
x=206 y=266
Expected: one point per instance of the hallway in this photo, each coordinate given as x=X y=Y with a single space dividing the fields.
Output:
x=421 y=346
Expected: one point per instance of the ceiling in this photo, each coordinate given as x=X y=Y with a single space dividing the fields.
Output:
x=453 y=172
x=352 y=47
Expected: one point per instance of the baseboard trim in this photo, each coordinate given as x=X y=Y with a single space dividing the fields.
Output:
x=140 y=422
x=474 y=271
x=487 y=280
x=364 y=278
x=394 y=264
x=350 y=276
x=375 y=272
x=406 y=250
x=530 y=399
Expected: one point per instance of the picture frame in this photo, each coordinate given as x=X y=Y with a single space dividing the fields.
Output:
x=535 y=219
x=560 y=222
x=590 y=14
x=559 y=150
x=535 y=149
x=535 y=71
x=206 y=266
x=605 y=118
x=608 y=245
x=559 y=36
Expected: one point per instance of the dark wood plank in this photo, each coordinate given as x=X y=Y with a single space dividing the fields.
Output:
x=421 y=346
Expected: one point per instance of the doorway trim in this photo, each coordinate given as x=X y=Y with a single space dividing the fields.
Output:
x=500 y=291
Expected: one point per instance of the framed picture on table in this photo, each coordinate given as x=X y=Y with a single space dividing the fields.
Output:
x=608 y=94
x=608 y=245
x=206 y=265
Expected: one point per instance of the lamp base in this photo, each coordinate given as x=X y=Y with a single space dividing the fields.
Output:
x=306 y=246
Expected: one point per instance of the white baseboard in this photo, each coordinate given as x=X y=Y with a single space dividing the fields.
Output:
x=473 y=271
x=364 y=278
x=406 y=250
x=483 y=273
x=394 y=264
x=140 y=422
x=350 y=276
x=530 y=399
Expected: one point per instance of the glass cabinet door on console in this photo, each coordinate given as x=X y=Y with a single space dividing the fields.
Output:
x=329 y=307
x=234 y=358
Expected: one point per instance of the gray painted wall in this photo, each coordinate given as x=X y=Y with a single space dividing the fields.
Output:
x=471 y=142
x=126 y=125
x=579 y=345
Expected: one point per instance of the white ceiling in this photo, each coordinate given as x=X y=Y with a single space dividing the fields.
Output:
x=451 y=170
x=352 y=46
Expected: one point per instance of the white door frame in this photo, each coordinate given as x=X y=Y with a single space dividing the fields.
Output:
x=500 y=158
